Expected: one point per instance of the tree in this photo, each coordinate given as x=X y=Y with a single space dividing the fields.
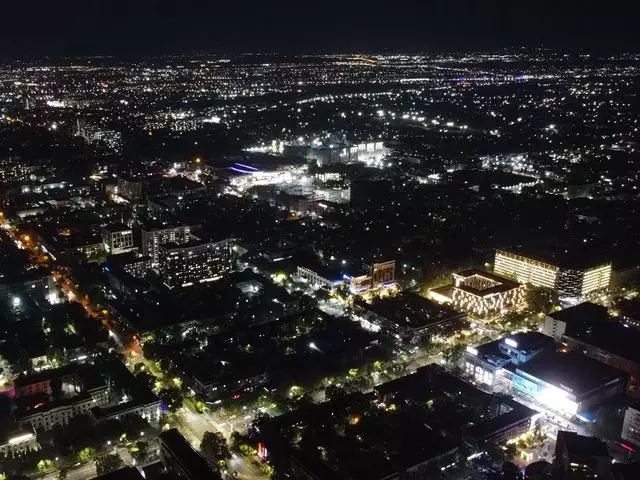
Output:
x=453 y=355
x=172 y=398
x=214 y=449
x=86 y=454
x=108 y=463
x=541 y=299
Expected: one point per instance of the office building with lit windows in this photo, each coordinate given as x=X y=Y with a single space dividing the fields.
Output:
x=194 y=262
x=569 y=280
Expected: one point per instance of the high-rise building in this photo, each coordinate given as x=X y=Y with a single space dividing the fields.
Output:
x=117 y=239
x=568 y=281
x=194 y=262
x=155 y=235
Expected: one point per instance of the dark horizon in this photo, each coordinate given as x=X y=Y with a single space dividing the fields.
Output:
x=35 y=28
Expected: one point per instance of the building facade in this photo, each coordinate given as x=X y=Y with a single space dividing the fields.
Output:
x=194 y=262
x=569 y=282
x=118 y=239
x=151 y=239
x=631 y=425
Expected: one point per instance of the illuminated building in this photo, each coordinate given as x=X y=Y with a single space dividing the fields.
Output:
x=18 y=442
x=194 y=262
x=484 y=362
x=117 y=239
x=578 y=456
x=155 y=235
x=383 y=273
x=407 y=317
x=482 y=293
x=571 y=282
x=564 y=382
x=371 y=153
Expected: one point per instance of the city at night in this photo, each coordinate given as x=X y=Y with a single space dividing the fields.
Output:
x=319 y=241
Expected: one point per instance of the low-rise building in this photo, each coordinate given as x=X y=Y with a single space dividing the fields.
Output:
x=18 y=442
x=118 y=238
x=578 y=456
x=405 y=317
x=181 y=459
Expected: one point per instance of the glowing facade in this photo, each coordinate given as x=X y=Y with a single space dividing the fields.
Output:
x=483 y=293
x=567 y=281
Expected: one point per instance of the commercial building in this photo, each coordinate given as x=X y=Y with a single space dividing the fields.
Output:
x=18 y=442
x=154 y=235
x=481 y=293
x=180 y=458
x=406 y=317
x=631 y=425
x=484 y=363
x=368 y=277
x=565 y=382
x=587 y=328
x=587 y=313
x=118 y=238
x=194 y=262
x=582 y=457
x=568 y=280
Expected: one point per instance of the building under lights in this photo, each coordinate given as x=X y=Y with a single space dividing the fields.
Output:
x=153 y=235
x=570 y=281
x=481 y=293
x=118 y=238
x=194 y=262
x=18 y=442
x=484 y=362
x=564 y=382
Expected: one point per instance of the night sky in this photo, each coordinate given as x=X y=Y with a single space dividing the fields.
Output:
x=70 y=27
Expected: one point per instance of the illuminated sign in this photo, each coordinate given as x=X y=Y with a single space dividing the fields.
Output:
x=526 y=386
x=511 y=342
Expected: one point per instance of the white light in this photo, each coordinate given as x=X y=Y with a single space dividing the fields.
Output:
x=313 y=346
x=511 y=342
x=16 y=301
x=472 y=351
x=21 y=438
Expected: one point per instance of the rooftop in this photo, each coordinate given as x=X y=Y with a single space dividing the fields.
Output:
x=586 y=312
x=482 y=283
x=410 y=310
x=571 y=371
